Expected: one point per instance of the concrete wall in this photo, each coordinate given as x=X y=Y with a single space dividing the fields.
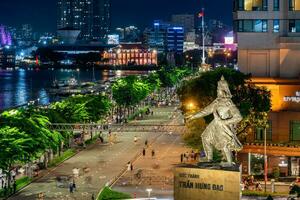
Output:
x=260 y=63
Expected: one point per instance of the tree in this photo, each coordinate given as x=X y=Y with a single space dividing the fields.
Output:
x=35 y=125
x=97 y=107
x=15 y=147
x=129 y=91
x=253 y=102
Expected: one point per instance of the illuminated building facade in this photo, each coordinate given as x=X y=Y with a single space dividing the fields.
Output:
x=165 y=37
x=268 y=37
x=131 y=54
x=91 y=17
x=268 y=34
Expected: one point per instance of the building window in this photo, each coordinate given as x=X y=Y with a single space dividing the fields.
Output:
x=294 y=25
x=294 y=5
x=276 y=25
x=295 y=130
x=251 y=5
x=276 y=5
x=260 y=133
x=252 y=25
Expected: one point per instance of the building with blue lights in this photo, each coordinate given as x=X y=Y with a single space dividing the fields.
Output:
x=165 y=37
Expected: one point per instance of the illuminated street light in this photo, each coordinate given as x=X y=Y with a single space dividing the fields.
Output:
x=190 y=106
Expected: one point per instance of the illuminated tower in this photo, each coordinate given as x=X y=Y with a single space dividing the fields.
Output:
x=91 y=17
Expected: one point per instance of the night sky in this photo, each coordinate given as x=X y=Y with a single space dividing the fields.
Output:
x=42 y=13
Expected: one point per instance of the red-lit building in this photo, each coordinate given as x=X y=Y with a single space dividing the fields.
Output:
x=131 y=54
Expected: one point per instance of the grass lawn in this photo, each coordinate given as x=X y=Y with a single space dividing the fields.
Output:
x=64 y=156
x=108 y=194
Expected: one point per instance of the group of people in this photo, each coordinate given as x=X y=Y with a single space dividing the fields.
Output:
x=152 y=152
x=188 y=156
x=249 y=183
x=9 y=184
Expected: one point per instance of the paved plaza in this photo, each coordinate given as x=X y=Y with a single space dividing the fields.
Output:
x=98 y=164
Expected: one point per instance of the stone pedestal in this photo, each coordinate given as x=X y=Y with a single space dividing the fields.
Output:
x=206 y=182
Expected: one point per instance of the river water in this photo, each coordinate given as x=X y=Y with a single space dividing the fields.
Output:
x=19 y=86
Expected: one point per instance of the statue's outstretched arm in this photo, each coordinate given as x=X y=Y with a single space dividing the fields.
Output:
x=206 y=111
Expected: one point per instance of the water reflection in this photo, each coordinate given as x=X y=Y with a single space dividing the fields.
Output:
x=21 y=94
x=17 y=87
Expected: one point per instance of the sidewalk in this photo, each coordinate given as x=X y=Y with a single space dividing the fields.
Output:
x=157 y=172
x=98 y=164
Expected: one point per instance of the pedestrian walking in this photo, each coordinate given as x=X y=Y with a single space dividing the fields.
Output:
x=187 y=156
x=128 y=166
x=5 y=190
x=71 y=187
x=74 y=185
x=153 y=153
x=131 y=167
x=181 y=158
x=135 y=139
x=146 y=143
x=195 y=156
x=93 y=196
x=192 y=155
x=15 y=187
x=144 y=152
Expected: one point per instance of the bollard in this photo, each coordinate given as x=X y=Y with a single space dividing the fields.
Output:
x=273 y=185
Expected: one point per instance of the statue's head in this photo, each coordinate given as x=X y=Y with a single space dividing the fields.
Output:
x=223 y=89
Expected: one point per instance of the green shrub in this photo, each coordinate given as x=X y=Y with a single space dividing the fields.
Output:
x=65 y=155
x=22 y=182
x=262 y=194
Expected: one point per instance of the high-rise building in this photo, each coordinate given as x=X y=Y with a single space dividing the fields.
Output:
x=268 y=36
x=91 y=17
x=185 y=20
x=165 y=37
x=26 y=32
x=102 y=18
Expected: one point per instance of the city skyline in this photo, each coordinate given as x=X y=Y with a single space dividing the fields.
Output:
x=44 y=18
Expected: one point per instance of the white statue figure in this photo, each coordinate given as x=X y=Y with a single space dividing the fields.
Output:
x=221 y=133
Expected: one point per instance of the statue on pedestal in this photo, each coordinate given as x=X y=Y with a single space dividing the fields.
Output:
x=221 y=133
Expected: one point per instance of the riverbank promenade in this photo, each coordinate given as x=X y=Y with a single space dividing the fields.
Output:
x=99 y=163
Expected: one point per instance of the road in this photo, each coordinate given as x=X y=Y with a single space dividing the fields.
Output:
x=102 y=163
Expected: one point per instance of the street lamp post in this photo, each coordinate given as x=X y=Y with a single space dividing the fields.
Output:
x=265 y=159
x=149 y=190
x=203 y=37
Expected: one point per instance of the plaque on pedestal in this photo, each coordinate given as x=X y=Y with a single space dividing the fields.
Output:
x=204 y=182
